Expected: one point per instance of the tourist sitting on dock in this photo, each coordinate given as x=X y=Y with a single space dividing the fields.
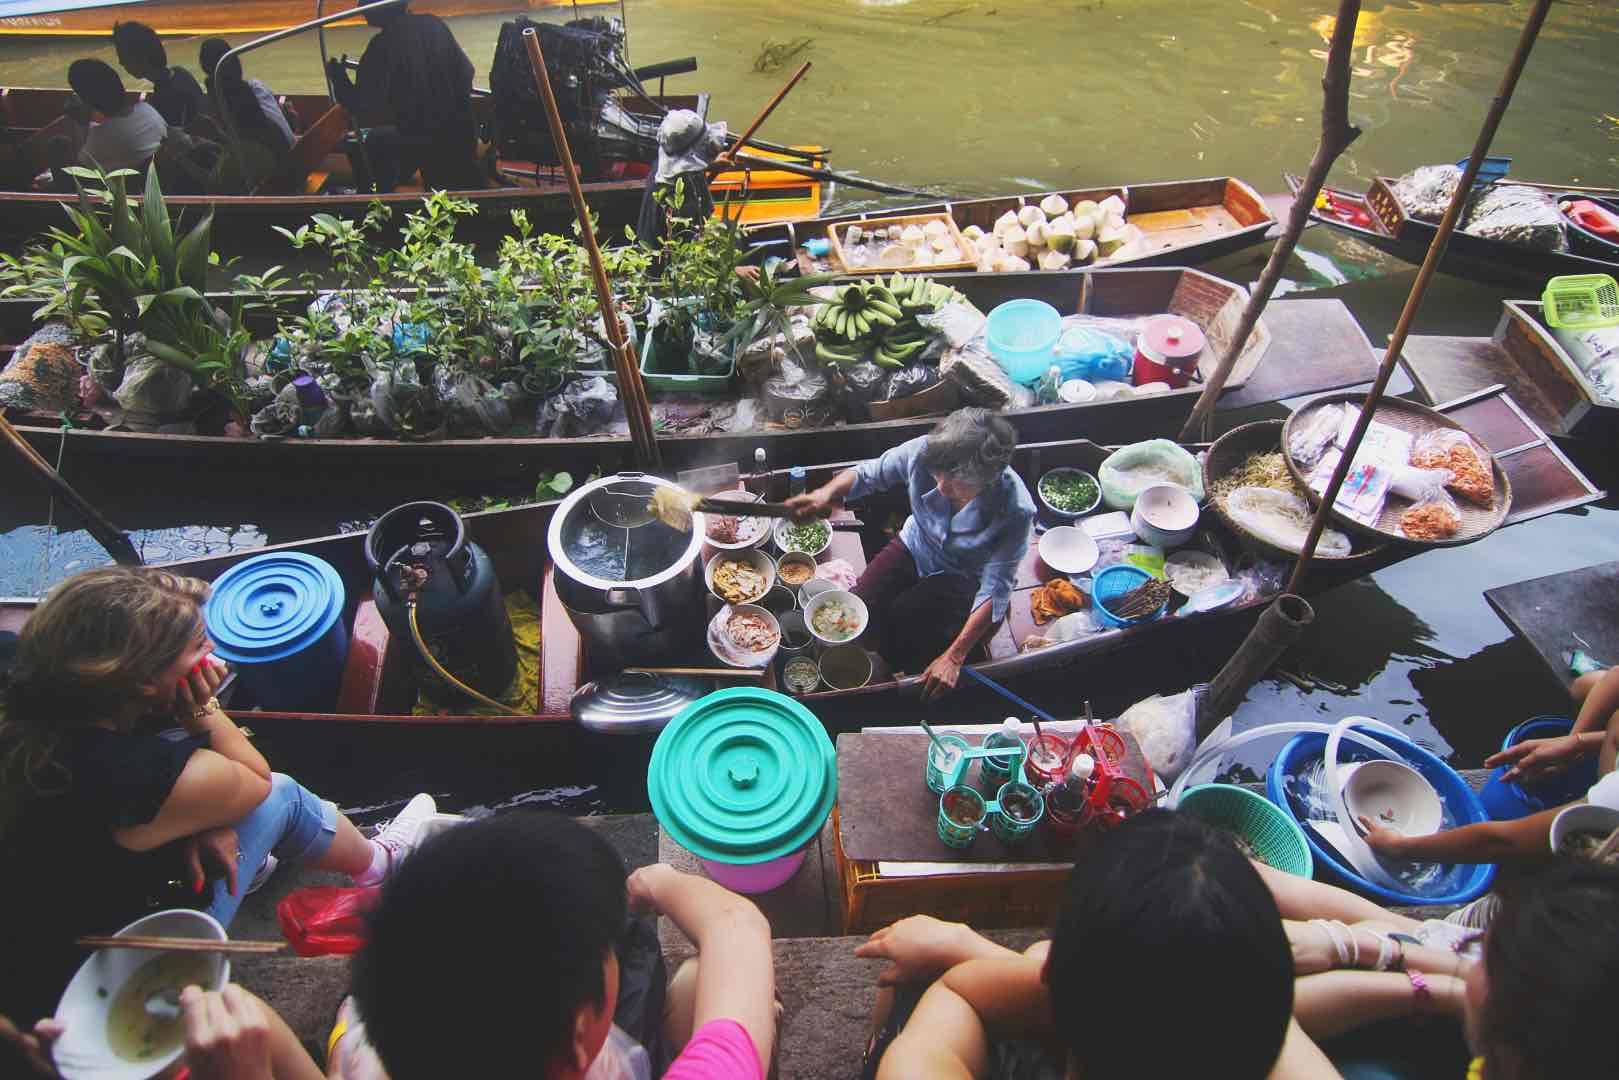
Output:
x=129 y=132
x=252 y=105
x=415 y=77
x=941 y=587
x=106 y=816
x=1167 y=959
x=175 y=94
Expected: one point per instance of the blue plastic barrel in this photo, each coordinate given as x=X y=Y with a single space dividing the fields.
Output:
x=279 y=618
x=1507 y=800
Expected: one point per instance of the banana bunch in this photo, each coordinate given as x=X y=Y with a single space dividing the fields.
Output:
x=877 y=319
x=919 y=295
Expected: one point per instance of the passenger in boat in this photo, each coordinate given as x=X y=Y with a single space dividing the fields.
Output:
x=1167 y=958
x=175 y=94
x=943 y=585
x=415 y=77
x=677 y=190
x=252 y=105
x=129 y=132
x=108 y=810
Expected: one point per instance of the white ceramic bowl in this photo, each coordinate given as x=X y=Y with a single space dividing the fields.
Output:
x=1165 y=515
x=760 y=526
x=1040 y=493
x=783 y=525
x=737 y=655
x=755 y=558
x=812 y=588
x=1068 y=549
x=83 y=1050
x=1582 y=817
x=1393 y=794
x=1076 y=391
x=836 y=596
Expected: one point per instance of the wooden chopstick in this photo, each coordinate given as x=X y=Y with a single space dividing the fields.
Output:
x=171 y=944
x=715 y=673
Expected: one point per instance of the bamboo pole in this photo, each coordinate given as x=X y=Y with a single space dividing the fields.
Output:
x=1336 y=135
x=108 y=535
x=1430 y=265
x=764 y=113
x=631 y=390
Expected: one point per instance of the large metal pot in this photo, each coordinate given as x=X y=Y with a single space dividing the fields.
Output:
x=635 y=593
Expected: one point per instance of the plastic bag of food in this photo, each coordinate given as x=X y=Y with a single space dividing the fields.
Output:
x=1131 y=469
x=1425 y=193
x=980 y=379
x=471 y=403
x=911 y=380
x=1365 y=488
x=1260 y=577
x=1605 y=381
x=43 y=375
x=1514 y=214
x=1410 y=482
x=326 y=920
x=1085 y=351
x=839 y=572
x=1166 y=728
x=1071 y=627
x=1310 y=439
x=1591 y=347
x=1282 y=519
x=959 y=322
x=1471 y=465
x=1434 y=517
x=859 y=384
x=408 y=408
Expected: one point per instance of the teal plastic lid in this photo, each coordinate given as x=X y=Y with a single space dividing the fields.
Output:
x=743 y=776
x=272 y=606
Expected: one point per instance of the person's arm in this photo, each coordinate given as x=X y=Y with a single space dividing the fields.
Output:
x=201 y=714
x=1523 y=840
x=941 y=675
x=920 y=948
x=947 y=1035
x=824 y=500
x=735 y=968
x=1537 y=759
x=1600 y=704
x=1335 y=1002
x=1302 y=1059
x=212 y=791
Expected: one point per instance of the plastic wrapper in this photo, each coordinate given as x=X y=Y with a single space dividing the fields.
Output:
x=797 y=396
x=1605 y=381
x=1310 y=439
x=838 y=571
x=43 y=375
x=1425 y=193
x=1260 y=578
x=403 y=403
x=911 y=380
x=1410 y=482
x=280 y=417
x=326 y=920
x=977 y=376
x=1131 y=469
x=1517 y=215
x=1595 y=351
x=720 y=642
x=1471 y=465
x=1435 y=517
x=582 y=407
x=1166 y=728
x=1086 y=351
x=1071 y=627
x=152 y=394
x=958 y=322
x=471 y=403
x=1365 y=488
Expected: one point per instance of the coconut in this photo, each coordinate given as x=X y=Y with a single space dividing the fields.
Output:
x=1005 y=222
x=913 y=236
x=895 y=255
x=1015 y=241
x=1030 y=215
x=1084 y=225
x=1036 y=235
x=1060 y=234
x=935 y=229
x=1014 y=263
x=1112 y=205
x=1054 y=205
x=972 y=233
x=1086 y=206
x=853 y=236
x=1111 y=239
x=896 y=233
x=1084 y=250
x=1053 y=260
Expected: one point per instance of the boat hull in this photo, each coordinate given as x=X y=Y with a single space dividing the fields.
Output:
x=186 y=18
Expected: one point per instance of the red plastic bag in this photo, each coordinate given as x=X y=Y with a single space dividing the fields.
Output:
x=327 y=920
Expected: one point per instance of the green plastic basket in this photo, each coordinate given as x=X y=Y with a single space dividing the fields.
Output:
x=1275 y=837
x=1581 y=301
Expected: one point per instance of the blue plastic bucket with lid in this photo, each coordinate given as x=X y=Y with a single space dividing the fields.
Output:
x=1021 y=335
x=1507 y=800
x=279 y=618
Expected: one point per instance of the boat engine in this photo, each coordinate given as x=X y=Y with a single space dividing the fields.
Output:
x=425 y=567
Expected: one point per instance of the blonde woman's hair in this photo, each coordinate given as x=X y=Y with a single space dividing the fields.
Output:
x=83 y=656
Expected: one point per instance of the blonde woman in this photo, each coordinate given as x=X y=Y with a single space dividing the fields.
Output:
x=104 y=815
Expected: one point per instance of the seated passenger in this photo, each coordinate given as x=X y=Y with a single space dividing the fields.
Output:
x=175 y=94
x=944 y=584
x=415 y=77
x=253 y=106
x=129 y=132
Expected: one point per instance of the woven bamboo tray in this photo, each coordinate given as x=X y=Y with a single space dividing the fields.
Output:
x=834 y=234
x=1476 y=521
x=1227 y=455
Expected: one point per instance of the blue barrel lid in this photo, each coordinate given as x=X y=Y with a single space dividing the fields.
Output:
x=273 y=606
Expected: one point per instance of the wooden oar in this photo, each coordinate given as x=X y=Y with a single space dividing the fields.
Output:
x=110 y=536
x=173 y=944
x=742 y=140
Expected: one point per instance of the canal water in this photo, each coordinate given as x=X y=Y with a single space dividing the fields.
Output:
x=995 y=96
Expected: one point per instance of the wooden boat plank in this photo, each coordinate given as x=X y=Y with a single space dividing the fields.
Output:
x=1316 y=346
x=1546 y=613
x=1448 y=367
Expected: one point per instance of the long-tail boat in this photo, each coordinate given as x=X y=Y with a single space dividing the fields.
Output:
x=194 y=18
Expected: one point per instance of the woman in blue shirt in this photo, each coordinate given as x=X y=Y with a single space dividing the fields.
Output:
x=943 y=585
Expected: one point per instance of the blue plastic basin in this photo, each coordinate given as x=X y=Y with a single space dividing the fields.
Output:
x=1507 y=800
x=1021 y=335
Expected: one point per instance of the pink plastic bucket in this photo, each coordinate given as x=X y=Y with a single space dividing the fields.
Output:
x=753 y=878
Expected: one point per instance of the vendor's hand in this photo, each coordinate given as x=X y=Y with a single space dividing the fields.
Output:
x=940 y=677
x=1538 y=759
x=641 y=887
x=920 y=948
x=200 y=685
x=227 y=1034
x=812 y=506
x=220 y=848
x=1383 y=840
x=749 y=273
x=76 y=110
x=33 y=1047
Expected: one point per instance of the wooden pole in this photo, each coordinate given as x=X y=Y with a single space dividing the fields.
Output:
x=108 y=535
x=763 y=114
x=631 y=390
x=1336 y=135
x=1279 y=626
x=1430 y=265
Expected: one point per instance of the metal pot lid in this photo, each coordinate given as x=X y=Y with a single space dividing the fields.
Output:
x=594 y=553
x=633 y=702
x=272 y=606
x=743 y=776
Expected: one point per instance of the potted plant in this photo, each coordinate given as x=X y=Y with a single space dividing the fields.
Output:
x=687 y=345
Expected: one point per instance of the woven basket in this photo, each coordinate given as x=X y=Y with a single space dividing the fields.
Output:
x=1227 y=455
x=1476 y=521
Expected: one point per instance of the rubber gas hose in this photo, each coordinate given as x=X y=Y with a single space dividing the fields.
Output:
x=432 y=662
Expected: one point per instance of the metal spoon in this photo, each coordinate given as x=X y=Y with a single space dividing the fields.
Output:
x=164 y=1004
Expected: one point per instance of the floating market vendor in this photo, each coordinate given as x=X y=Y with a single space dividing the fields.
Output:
x=678 y=187
x=943 y=585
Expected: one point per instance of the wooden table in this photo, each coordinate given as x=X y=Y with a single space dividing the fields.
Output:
x=1547 y=612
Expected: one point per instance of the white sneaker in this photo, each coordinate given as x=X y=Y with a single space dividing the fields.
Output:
x=401 y=835
x=266 y=868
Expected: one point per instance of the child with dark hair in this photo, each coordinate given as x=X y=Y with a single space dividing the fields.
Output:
x=129 y=132
x=175 y=94
x=1167 y=957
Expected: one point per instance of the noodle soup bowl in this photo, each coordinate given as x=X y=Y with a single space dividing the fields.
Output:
x=85 y=1009
x=822 y=601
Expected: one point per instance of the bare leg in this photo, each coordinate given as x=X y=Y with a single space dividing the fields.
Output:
x=680 y=1007
x=350 y=852
x=1303 y=899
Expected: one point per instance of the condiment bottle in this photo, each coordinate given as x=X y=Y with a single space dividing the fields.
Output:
x=796 y=481
x=1068 y=804
x=761 y=474
x=993 y=772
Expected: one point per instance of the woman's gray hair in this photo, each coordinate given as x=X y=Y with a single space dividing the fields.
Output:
x=972 y=445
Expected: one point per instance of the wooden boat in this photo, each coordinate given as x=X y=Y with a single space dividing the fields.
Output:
x=1184 y=222
x=376 y=686
x=1377 y=218
x=1313 y=346
x=1525 y=357
x=318 y=169
x=194 y=18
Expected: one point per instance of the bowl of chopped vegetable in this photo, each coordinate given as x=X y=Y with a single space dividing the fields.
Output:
x=1069 y=492
x=740 y=577
x=810 y=537
x=835 y=617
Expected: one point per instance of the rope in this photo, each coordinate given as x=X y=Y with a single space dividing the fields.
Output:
x=50 y=519
x=421 y=647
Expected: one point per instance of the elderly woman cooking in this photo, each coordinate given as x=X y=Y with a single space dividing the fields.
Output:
x=943 y=584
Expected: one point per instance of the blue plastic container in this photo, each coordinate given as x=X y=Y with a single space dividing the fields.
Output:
x=1114 y=582
x=1507 y=800
x=1021 y=335
x=279 y=618
x=1302 y=750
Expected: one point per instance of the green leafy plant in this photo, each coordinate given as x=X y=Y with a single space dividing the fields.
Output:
x=768 y=299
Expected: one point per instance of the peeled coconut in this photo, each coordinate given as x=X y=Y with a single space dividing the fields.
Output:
x=1053 y=260
x=913 y=236
x=972 y=233
x=1084 y=226
x=1014 y=263
x=1030 y=215
x=895 y=255
x=1006 y=221
x=1112 y=205
x=1054 y=205
x=1111 y=239
x=1087 y=206
x=1015 y=241
x=1084 y=250
x=1060 y=234
x=936 y=229
x=1036 y=235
